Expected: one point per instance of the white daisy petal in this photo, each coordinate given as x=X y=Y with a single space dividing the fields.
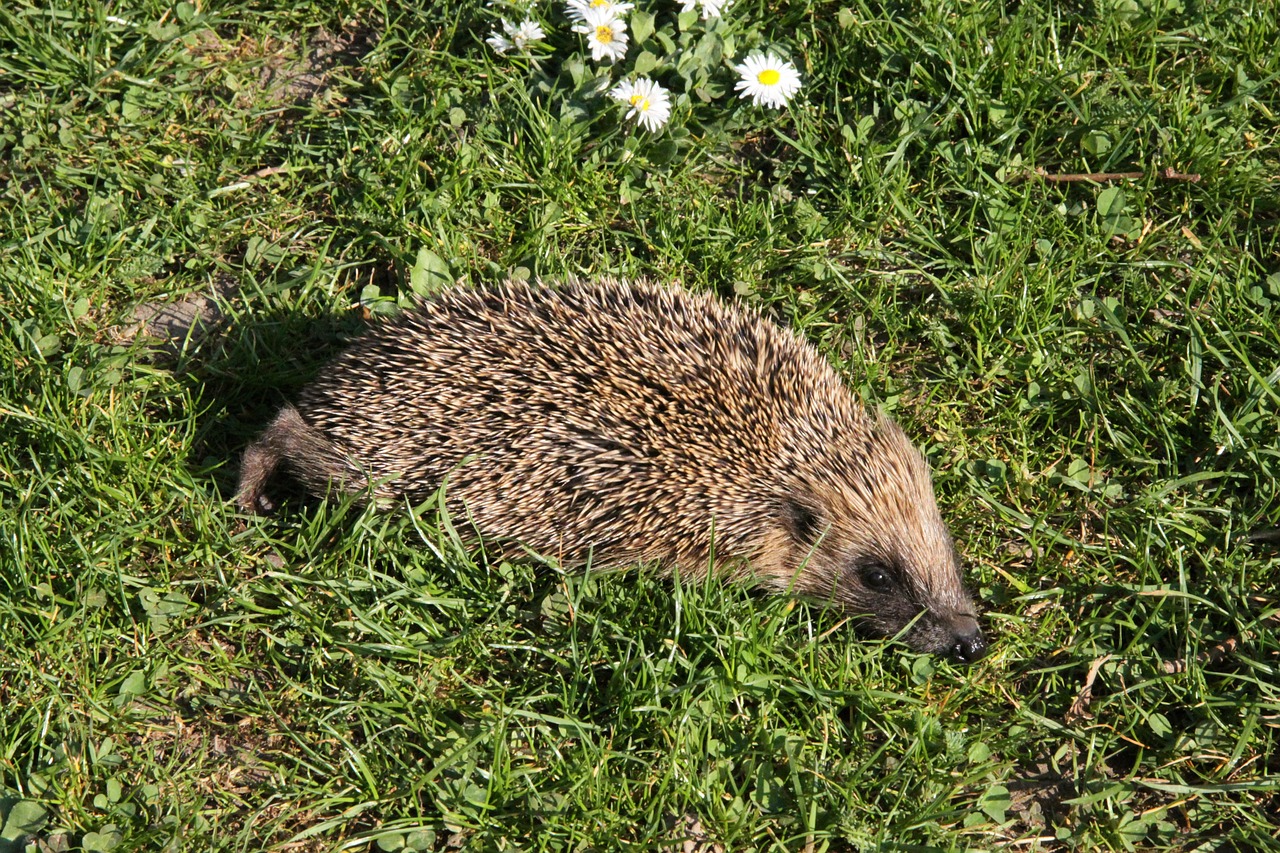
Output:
x=710 y=8
x=646 y=101
x=606 y=34
x=518 y=36
x=528 y=31
x=713 y=8
x=577 y=9
x=499 y=43
x=767 y=80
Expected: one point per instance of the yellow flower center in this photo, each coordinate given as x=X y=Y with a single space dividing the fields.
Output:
x=596 y=4
x=641 y=102
x=768 y=77
x=604 y=33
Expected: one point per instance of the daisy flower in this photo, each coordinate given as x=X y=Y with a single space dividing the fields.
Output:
x=767 y=80
x=649 y=104
x=517 y=37
x=710 y=8
x=577 y=9
x=606 y=34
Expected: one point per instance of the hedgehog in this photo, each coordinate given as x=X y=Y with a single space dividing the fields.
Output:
x=616 y=424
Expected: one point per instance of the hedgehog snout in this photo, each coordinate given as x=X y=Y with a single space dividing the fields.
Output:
x=966 y=643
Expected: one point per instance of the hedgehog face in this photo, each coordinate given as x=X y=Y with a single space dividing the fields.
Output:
x=879 y=550
x=893 y=596
x=895 y=587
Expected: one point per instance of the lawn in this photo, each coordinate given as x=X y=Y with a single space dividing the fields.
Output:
x=1045 y=237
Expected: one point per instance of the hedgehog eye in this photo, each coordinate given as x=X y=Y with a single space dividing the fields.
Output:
x=876 y=578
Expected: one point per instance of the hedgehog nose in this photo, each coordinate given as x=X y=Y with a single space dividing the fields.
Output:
x=969 y=647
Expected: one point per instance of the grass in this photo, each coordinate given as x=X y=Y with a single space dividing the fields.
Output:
x=1092 y=367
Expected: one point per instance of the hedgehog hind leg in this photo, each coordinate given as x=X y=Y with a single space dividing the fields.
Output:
x=315 y=459
x=256 y=466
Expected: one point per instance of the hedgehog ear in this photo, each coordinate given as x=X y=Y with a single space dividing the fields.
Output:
x=802 y=521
